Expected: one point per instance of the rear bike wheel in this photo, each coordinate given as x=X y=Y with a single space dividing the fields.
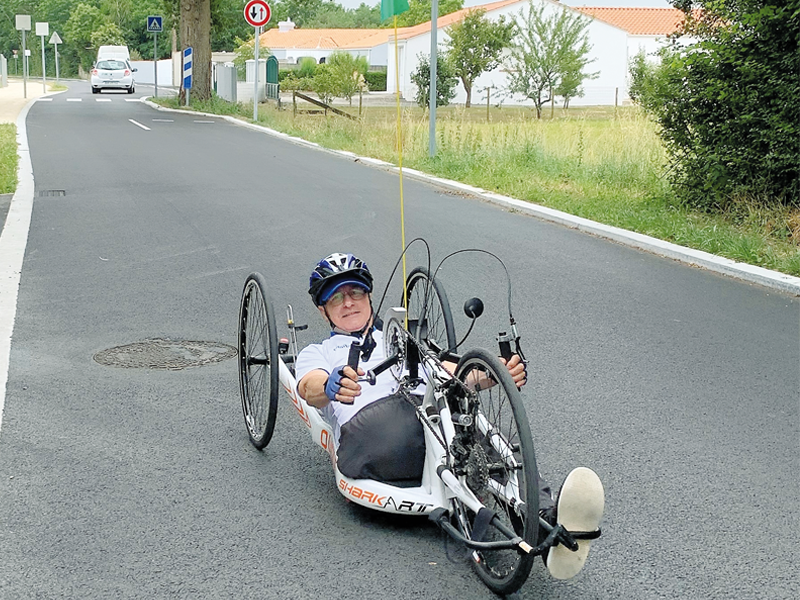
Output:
x=494 y=458
x=258 y=361
x=437 y=325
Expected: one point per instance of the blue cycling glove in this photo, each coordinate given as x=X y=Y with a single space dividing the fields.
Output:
x=334 y=383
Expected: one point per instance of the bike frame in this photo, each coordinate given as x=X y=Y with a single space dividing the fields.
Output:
x=439 y=485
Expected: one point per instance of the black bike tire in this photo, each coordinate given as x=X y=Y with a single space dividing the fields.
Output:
x=510 y=582
x=421 y=276
x=258 y=384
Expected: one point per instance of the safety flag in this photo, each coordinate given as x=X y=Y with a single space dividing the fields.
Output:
x=390 y=8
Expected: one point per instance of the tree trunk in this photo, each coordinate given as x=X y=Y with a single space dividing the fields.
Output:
x=196 y=33
x=468 y=89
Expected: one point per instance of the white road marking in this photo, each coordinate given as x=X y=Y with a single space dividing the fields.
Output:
x=139 y=125
x=103 y=99
x=77 y=99
x=196 y=121
x=13 y=239
x=163 y=120
x=44 y=99
x=133 y=99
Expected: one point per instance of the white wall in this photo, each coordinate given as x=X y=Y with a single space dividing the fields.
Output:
x=145 y=73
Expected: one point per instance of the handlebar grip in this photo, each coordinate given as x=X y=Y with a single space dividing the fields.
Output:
x=505 y=350
x=354 y=355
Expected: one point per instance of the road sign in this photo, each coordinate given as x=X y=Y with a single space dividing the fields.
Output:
x=257 y=13
x=155 y=24
x=55 y=38
x=42 y=29
x=187 y=69
x=23 y=22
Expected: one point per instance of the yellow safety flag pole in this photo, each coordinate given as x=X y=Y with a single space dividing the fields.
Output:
x=392 y=8
x=400 y=163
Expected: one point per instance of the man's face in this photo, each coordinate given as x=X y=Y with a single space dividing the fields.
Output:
x=348 y=308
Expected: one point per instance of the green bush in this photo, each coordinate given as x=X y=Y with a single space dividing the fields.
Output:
x=445 y=81
x=728 y=106
x=376 y=80
x=307 y=67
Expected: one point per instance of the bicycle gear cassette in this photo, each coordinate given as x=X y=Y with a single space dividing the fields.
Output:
x=394 y=339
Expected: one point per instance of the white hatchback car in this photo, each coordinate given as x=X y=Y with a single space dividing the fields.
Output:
x=112 y=74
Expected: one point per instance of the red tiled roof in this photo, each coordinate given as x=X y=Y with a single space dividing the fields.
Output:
x=324 y=38
x=638 y=21
x=446 y=20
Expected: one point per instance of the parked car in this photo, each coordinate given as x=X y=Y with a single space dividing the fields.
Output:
x=113 y=74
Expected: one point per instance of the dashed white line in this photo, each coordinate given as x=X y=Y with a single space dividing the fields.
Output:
x=145 y=127
x=44 y=99
x=103 y=99
x=77 y=99
x=196 y=121
x=163 y=120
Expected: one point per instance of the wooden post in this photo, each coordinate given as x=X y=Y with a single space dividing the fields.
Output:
x=294 y=103
x=552 y=104
x=360 y=100
x=616 y=97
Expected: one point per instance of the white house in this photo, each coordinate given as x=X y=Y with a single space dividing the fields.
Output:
x=615 y=36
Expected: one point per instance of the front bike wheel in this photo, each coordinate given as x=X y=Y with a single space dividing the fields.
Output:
x=437 y=325
x=494 y=457
x=258 y=361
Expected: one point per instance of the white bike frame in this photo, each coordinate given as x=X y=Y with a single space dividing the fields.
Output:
x=439 y=485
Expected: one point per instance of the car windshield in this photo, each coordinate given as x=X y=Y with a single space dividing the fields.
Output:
x=113 y=65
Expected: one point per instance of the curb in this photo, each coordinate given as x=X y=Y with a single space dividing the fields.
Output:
x=697 y=258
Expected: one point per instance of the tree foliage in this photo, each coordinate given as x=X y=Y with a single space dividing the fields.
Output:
x=729 y=105
x=419 y=11
x=549 y=52
x=475 y=46
x=445 y=81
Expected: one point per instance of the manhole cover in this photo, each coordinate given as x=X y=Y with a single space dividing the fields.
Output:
x=165 y=354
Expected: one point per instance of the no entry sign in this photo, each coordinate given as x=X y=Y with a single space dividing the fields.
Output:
x=257 y=13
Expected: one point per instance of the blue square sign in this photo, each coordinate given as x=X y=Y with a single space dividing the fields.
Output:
x=155 y=24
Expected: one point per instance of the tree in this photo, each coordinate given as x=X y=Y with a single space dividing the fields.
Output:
x=84 y=20
x=195 y=32
x=475 y=46
x=301 y=12
x=347 y=71
x=728 y=106
x=445 y=81
x=419 y=11
x=547 y=50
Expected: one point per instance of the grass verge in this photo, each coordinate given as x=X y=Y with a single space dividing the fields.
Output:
x=8 y=158
x=602 y=164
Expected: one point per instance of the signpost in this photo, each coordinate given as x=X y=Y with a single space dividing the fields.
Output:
x=187 y=72
x=257 y=13
x=23 y=25
x=43 y=30
x=55 y=39
x=155 y=25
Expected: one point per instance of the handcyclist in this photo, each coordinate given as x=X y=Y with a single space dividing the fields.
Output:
x=375 y=429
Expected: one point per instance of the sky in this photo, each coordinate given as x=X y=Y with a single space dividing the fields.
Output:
x=611 y=3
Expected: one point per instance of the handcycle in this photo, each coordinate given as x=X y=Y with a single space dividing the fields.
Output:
x=480 y=481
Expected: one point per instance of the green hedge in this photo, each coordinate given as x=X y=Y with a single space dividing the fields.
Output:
x=376 y=80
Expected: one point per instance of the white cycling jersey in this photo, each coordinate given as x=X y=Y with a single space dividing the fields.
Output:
x=333 y=353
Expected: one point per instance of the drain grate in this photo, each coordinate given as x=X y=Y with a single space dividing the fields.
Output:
x=165 y=354
x=46 y=193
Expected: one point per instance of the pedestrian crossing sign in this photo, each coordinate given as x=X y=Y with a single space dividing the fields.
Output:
x=154 y=25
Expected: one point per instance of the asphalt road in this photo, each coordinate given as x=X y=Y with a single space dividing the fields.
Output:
x=678 y=386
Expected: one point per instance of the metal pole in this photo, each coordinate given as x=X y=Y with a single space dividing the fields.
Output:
x=255 y=79
x=24 y=68
x=56 y=50
x=434 y=60
x=155 y=63
x=44 y=82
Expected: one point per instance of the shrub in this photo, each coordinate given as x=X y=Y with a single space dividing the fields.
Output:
x=376 y=80
x=445 y=81
x=307 y=67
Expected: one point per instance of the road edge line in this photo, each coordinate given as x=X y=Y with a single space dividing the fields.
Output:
x=13 y=241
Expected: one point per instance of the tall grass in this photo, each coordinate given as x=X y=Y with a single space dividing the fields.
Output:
x=603 y=164
x=8 y=158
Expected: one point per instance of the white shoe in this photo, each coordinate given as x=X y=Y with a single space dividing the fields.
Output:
x=580 y=508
